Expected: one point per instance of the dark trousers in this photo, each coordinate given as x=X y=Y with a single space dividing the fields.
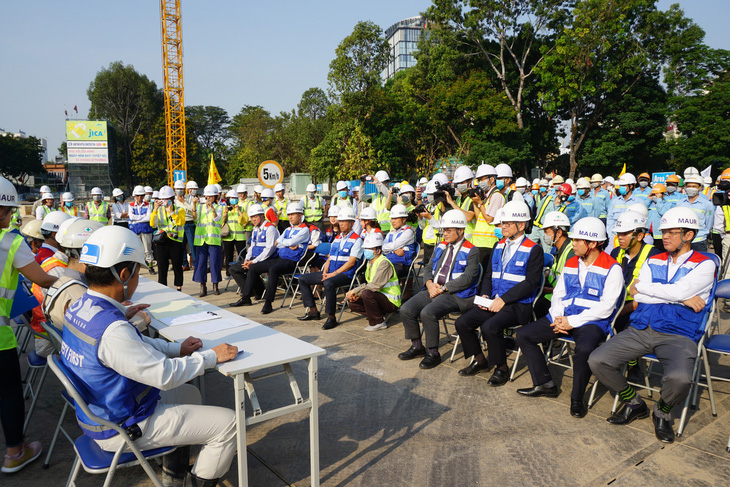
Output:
x=205 y=252
x=170 y=252
x=251 y=281
x=240 y=275
x=429 y=311
x=700 y=246
x=12 y=406
x=373 y=305
x=427 y=253
x=228 y=256
x=319 y=224
x=189 y=239
x=401 y=270
x=492 y=326
x=587 y=338
x=330 y=289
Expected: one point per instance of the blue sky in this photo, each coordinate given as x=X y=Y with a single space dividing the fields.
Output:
x=235 y=52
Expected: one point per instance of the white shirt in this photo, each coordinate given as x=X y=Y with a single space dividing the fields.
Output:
x=510 y=247
x=315 y=237
x=272 y=234
x=719 y=222
x=697 y=283
x=145 y=212
x=39 y=212
x=23 y=256
x=397 y=239
x=118 y=209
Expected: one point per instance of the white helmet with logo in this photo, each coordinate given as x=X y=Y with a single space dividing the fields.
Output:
x=74 y=235
x=486 y=170
x=166 y=192
x=53 y=220
x=292 y=208
x=558 y=179
x=112 y=245
x=583 y=183
x=398 y=211
x=311 y=188
x=454 y=219
x=210 y=190
x=8 y=193
x=267 y=193
x=516 y=211
x=589 y=228
x=680 y=217
x=694 y=178
x=64 y=226
x=503 y=171
x=346 y=214
x=382 y=176
x=639 y=208
x=96 y=191
x=67 y=197
x=191 y=185
x=242 y=188
x=596 y=178
x=462 y=174
x=407 y=188
x=232 y=194
x=47 y=196
x=138 y=191
x=368 y=214
x=498 y=217
x=278 y=187
x=431 y=187
x=255 y=210
x=556 y=219
x=629 y=221
x=441 y=178
x=373 y=240
x=626 y=179
x=179 y=184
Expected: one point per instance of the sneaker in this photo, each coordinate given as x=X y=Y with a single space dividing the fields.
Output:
x=30 y=452
x=379 y=326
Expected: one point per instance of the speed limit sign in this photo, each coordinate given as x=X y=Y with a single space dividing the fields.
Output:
x=270 y=174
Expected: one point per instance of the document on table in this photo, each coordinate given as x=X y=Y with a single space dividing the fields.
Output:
x=190 y=318
x=214 y=326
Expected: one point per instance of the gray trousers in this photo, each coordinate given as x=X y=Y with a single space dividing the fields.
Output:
x=675 y=352
x=430 y=311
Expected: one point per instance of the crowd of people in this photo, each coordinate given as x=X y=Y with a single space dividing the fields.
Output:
x=618 y=265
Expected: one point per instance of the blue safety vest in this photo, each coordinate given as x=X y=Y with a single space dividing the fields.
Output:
x=340 y=253
x=458 y=266
x=140 y=227
x=408 y=250
x=295 y=255
x=504 y=278
x=258 y=240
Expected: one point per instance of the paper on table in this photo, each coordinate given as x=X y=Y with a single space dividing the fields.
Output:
x=482 y=301
x=190 y=318
x=214 y=326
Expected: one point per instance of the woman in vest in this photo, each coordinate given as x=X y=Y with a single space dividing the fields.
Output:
x=208 y=217
x=236 y=219
x=169 y=220
x=17 y=259
x=46 y=206
x=68 y=204
x=280 y=203
x=381 y=295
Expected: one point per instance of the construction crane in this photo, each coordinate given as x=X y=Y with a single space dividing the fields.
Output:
x=172 y=63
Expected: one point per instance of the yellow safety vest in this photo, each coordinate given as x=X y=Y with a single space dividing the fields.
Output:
x=165 y=223
x=207 y=230
x=463 y=202
x=391 y=290
x=435 y=213
x=484 y=235
x=244 y=205
x=73 y=211
x=726 y=212
x=313 y=211
x=98 y=213
x=280 y=208
x=541 y=211
x=557 y=267
x=382 y=213
x=9 y=244
x=643 y=255
x=236 y=220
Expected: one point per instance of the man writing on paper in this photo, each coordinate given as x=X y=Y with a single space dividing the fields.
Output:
x=140 y=382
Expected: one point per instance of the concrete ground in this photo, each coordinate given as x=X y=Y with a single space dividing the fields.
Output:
x=386 y=422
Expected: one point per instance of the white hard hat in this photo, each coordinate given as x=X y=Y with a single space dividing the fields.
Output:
x=346 y=214
x=191 y=185
x=47 y=196
x=64 y=226
x=503 y=171
x=218 y=187
x=179 y=184
x=431 y=187
x=77 y=232
x=398 y=211
x=691 y=171
x=556 y=219
x=558 y=179
x=8 y=193
x=626 y=179
x=155 y=195
x=382 y=176
x=486 y=170
x=368 y=214
x=596 y=178
x=373 y=240
x=441 y=178
x=423 y=181
x=138 y=191
x=67 y=197
x=242 y=188
x=397 y=186
x=32 y=229
x=341 y=186
x=210 y=190
x=267 y=193
x=543 y=182
x=570 y=181
x=516 y=211
x=521 y=182
x=292 y=208
x=166 y=192
x=588 y=228
x=609 y=180
x=407 y=188
x=232 y=194
x=498 y=217
x=117 y=192
x=694 y=178
x=708 y=180
x=112 y=245
x=53 y=220
x=629 y=221
x=462 y=174
x=256 y=209
x=333 y=211
x=45 y=189
x=517 y=196
x=148 y=189
x=453 y=219
x=278 y=187
x=639 y=208
x=311 y=188
x=258 y=189
x=583 y=183
x=680 y=217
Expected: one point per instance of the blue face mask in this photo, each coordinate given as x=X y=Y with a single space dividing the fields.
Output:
x=500 y=184
x=343 y=194
x=581 y=192
x=534 y=191
x=498 y=232
x=571 y=198
x=233 y=201
x=623 y=190
x=69 y=204
x=368 y=253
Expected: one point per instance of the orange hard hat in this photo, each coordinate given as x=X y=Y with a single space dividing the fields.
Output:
x=535 y=186
x=658 y=188
x=644 y=175
x=673 y=178
x=725 y=174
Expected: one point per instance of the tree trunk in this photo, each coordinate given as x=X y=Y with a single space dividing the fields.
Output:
x=573 y=146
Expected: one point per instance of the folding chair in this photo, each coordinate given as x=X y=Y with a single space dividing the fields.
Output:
x=453 y=317
x=321 y=249
x=359 y=267
x=299 y=269
x=238 y=260
x=403 y=282
x=35 y=376
x=89 y=454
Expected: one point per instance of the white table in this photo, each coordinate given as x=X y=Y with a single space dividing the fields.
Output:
x=263 y=348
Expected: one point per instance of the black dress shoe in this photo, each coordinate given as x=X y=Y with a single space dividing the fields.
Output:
x=267 y=308
x=329 y=324
x=430 y=361
x=663 y=429
x=203 y=291
x=412 y=353
x=215 y=289
x=241 y=302
x=309 y=317
x=499 y=378
x=578 y=409
x=626 y=415
x=541 y=390
x=473 y=368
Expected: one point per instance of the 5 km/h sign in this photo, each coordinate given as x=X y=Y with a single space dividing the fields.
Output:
x=270 y=174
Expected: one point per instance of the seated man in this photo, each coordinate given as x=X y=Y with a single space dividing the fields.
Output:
x=583 y=303
x=452 y=278
x=247 y=274
x=337 y=271
x=140 y=382
x=673 y=292
x=381 y=294
x=400 y=243
x=511 y=281
x=555 y=237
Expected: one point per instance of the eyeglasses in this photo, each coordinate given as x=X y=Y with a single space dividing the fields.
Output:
x=509 y=223
x=671 y=233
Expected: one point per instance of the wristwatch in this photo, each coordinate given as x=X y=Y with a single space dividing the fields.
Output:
x=443 y=288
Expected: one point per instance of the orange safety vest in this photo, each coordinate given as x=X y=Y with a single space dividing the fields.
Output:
x=47 y=265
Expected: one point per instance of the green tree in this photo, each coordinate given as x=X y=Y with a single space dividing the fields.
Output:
x=20 y=157
x=250 y=132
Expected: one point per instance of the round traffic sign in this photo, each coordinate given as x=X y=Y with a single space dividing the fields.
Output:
x=270 y=174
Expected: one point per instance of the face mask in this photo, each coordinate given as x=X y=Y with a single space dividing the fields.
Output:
x=461 y=187
x=671 y=189
x=534 y=191
x=692 y=192
x=643 y=184
x=500 y=183
x=167 y=203
x=521 y=190
x=368 y=253
x=484 y=185
x=549 y=240
x=405 y=199
x=148 y=197
x=69 y=204
x=193 y=192
x=233 y=201
x=595 y=185
x=180 y=192
x=343 y=194
x=622 y=190
x=581 y=192
x=97 y=197
x=571 y=198
x=543 y=189
x=310 y=195
x=498 y=232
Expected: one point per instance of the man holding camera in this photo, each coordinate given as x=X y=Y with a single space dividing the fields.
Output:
x=488 y=199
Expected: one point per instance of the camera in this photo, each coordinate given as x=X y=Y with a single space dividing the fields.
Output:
x=439 y=196
x=365 y=178
x=719 y=198
x=477 y=191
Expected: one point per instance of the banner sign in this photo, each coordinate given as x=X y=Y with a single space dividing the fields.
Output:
x=86 y=142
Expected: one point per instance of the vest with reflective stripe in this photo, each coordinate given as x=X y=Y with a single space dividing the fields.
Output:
x=258 y=240
x=541 y=211
x=503 y=279
x=641 y=258
x=139 y=210
x=73 y=211
x=286 y=252
x=463 y=202
x=313 y=211
x=98 y=213
x=580 y=298
x=676 y=319
x=340 y=253
x=207 y=230
x=391 y=290
x=10 y=241
x=167 y=224
x=484 y=235
x=235 y=228
x=281 y=207
x=458 y=266
x=16 y=218
x=109 y=395
x=244 y=205
x=37 y=316
x=408 y=250
x=429 y=234
x=726 y=212
x=557 y=268
x=382 y=213
x=46 y=210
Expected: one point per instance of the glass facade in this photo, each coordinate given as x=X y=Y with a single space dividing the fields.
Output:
x=403 y=39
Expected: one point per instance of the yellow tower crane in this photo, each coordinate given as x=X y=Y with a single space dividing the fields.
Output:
x=172 y=62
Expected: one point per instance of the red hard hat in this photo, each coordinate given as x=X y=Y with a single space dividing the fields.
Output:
x=566 y=189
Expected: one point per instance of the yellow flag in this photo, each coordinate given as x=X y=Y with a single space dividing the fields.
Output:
x=623 y=171
x=213 y=176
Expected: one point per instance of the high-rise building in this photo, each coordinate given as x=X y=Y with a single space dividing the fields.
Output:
x=403 y=38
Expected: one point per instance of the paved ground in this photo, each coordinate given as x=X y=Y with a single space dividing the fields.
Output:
x=386 y=422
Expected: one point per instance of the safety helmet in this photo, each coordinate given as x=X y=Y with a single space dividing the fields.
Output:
x=166 y=192
x=644 y=175
x=138 y=191
x=596 y=178
x=47 y=196
x=278 y=187
x=570 y=181
x=583 y=183
x=640 y=209
x=407 y=188
x=64 y=226
x=694 y=178
x=67 y=197
x=498 y=217
x=691 y=171
x=341 y=186
x=292 y=208
x=382 y=176
x=725 y=174
x=148 y=189
x=96 y=191
x=658 y=188
x=8 y=193
x=626 y=179
x=368 y=214
x=708 y=180
x=536 y=186
x=556 y=219
x=232 y=194
x=155 y=195
x=45 y=189
x=373 y=240
x=441 y=178
x=53 y=220
x=255 y=209
x=680 y=217
x=543 y=182
x=77 y=232
x=267 y=193
x=558 y=180
x=431 y=188
x=516 y=211
x=117 y=192
x=588 y=228
x=673 y=178
x=566 y=189
x=423 y=181
x=191 y=185
x=346 y=214
x=629 y=221
x=521 y=182
x=210 y=190
x=258 y=189
x=503 y=171
x=463 y=174
x=218 y=187
x=112 y=245
x=32 y=229
x=311 y=188
x=398 y=211
x=453 y=219
x=486 y=170
x=334 y=211
x=179 y=184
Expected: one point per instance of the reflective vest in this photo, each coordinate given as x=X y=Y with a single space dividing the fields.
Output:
x=258 y=240
x=294 y=255
x=458 y=266
x=340 y=253
x=579 y=298
x=37 y=316
x=726 y=212
x=235 y=228
x=10 y=241
x=408 y=250
x=98 y=213
x=429 y=233
x=484 y=235
x=673 y=318
x=244 y=206
x=313 y=211
x=165 y=223
x=139 y=210
x=391 y=290
x=464 y=202
x=46 y=210
x=504 y=278
x=541 y=212
x=207 y=230
x=73 y=211
x=16 y=218
x=381 y=212
x=109 y=395
x=557 y=268
x=281 y=207
x=641 y=258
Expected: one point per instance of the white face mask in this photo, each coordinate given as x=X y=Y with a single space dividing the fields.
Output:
x=521 y=190
x=97 y=197
x=180 y=192
x=643 y=184
x=193 y=192
x=148 y=197
x=484 y=185
x=461 y=187
x=692 y=192
x=595 y=185
x=671 y=189
x=310 y=195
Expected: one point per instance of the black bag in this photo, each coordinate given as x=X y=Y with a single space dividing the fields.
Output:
x=160 y=238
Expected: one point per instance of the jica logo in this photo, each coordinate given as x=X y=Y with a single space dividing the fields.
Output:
x=96 y=133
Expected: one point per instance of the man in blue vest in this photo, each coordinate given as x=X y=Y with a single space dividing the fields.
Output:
x=136 y=381
x=452 y=278
x=673 y=295
x=624 y=199
x=140 y=213
x=511 y=282
x=583 y=304
x=704 y=208
x=400 y=242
